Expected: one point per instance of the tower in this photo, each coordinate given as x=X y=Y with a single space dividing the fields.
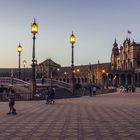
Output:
x=114 y=54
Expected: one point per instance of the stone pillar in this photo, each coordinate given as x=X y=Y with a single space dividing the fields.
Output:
x=126 y=80
x=137 y=79
x=138 y=82
x=133 y=79
x=119 y=79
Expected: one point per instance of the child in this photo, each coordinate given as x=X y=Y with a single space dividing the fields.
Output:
x=11 y=100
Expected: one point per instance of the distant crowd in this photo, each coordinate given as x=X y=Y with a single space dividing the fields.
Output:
x=49 y=94
x=127 y=88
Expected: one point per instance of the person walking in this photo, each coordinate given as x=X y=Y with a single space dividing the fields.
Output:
x=94 y=91
x=11 y=100
x=47 y=96
x=133 y=88
x=52 y=95
x=90 y=91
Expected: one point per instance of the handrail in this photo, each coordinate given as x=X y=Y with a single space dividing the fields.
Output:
x=47 y=82
x=53 y=82
x=11 y=80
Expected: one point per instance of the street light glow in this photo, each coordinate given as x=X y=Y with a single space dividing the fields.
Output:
x=78 y=70
x=34 y=27
x=103 y=71
x=72 y=38
x=24 y=62
x=19 y=48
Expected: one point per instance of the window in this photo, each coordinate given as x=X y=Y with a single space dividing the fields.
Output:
x=138 y=63
x=130 y=65
x=118 y=61
x=137 y=55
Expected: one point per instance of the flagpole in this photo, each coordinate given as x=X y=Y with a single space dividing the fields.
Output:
x=128 y=33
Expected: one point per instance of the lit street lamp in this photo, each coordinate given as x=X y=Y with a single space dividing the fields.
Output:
x=72 y=41
x=24 y=63
x=103 y=76
x=58 y=73
x=34 y=31
x=65 y=78
x=78 y=71
x=12 y=76
x=19 y=48
x=107 y=76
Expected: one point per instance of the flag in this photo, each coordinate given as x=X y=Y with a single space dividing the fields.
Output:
x=129 y=32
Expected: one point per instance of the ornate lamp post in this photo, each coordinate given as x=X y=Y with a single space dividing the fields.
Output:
x=65 y=73
x=34 y=31
x=19 y=48
x=12 y=76
x=78 y=71
x=107 y=78
x=24 y=63
x=72 y=41
x=104 y=77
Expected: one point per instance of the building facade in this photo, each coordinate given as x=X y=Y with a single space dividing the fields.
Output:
x=125 y=62
x=123 y=68
x=47 y=69
x=91 y=73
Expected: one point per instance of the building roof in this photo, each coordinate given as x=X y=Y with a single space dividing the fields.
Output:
x=88 y=67
x=49 y=62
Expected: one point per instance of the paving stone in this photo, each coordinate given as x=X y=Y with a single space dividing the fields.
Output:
x=71 y=138
x=111 y=116
x=16 y=138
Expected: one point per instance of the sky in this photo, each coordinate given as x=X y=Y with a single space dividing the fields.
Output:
x=95 y=23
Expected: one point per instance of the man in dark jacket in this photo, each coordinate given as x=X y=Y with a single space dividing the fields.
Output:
x=52 y=95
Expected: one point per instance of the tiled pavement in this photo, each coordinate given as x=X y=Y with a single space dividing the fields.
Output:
x=114 y=116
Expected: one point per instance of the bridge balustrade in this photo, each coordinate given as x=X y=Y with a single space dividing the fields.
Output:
x=9 y=81
x=52 y=82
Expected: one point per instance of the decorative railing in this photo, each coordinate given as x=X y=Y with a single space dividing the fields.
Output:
x=52 y=82
x=47 y=82
x=10 y=80
x=16 y=83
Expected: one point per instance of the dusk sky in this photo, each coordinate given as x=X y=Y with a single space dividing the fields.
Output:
x=95 y=23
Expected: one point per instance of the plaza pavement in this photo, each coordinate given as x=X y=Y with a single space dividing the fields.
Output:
x=114 y=116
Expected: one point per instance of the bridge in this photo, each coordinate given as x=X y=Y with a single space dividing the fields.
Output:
x=20 y=85
x=17 y=84
x=23 y=89
x=54 y=83
x=10 y=80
